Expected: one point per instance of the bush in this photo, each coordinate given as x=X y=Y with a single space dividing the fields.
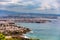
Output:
x=13 y=39
x=2 y=37
x=10 y=39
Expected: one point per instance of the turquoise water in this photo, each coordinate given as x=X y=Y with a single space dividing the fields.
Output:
x=43 y=31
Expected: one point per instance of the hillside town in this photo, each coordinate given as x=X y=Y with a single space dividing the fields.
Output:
x=10 y=29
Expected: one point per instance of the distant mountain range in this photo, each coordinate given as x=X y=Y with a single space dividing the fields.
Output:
x=10 y=14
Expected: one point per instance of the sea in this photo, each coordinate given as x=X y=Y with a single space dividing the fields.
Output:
x=43 y=31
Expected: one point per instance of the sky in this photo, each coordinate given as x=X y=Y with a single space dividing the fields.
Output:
x=31 y=6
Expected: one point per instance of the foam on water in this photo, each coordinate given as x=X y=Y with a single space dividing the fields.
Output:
x=43 y=31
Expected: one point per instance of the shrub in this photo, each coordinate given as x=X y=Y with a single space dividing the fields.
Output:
x=2 y=37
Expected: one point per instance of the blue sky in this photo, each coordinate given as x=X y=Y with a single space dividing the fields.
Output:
x=31 y=6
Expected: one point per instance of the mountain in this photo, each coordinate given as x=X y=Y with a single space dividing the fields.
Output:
x=5 y=13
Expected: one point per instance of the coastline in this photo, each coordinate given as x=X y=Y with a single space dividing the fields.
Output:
x=11 y=30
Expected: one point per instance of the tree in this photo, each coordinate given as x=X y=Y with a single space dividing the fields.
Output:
x=2 y=37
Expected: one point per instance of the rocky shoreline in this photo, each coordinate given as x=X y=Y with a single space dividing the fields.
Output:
x=10 y=29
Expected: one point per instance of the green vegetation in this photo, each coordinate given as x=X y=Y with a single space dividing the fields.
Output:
x=21 y=39
x=2 y=37
x=10 y=39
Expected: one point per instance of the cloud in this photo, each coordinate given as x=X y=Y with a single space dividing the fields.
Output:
x=4 y=0
x=30 y=5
